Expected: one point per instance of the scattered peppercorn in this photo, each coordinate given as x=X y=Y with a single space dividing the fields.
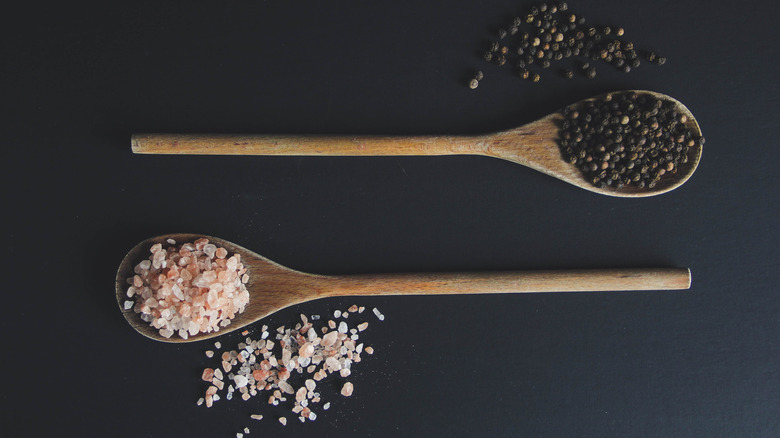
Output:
x=473 y=83
x=568 y=74
x=553 y=33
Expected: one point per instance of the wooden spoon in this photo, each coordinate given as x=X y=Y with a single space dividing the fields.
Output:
x=534 y=145
x=273 y=287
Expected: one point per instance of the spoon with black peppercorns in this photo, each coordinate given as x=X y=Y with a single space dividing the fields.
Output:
x=628 y=144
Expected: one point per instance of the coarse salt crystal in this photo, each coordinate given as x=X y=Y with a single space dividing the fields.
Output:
x=256 y=417
x=217 y=345
x=326 y=406
x=240 y=381
x=286 y=387
x=129 y=305
x=347 y=389
x=337 y=314
x=283 y=420
x=343 y=327
x=209 y=353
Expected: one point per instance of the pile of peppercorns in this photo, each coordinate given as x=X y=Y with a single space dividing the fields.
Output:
x=626 y=138
x=556 y=34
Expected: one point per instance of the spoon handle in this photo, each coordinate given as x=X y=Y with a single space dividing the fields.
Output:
x=512 y=282
x=340 y=145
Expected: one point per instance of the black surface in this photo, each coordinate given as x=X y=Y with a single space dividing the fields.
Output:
x=80 y=78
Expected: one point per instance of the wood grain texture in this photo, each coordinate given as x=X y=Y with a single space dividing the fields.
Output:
x=273 y=287
x=535 y=145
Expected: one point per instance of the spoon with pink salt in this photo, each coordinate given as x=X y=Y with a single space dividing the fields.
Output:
x=273 y=287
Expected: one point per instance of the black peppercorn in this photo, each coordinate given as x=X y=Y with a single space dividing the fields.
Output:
x=591 y=72
x=568 y=74
x=524 y=73
x=473 y=83
x=478 y=75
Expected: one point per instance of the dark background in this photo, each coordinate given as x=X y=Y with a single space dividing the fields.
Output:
x=79 y=78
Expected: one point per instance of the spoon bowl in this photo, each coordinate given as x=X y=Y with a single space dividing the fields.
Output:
x=535 y=145
x=273 y=287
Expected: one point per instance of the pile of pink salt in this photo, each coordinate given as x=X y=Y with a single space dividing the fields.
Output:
x=189 y=288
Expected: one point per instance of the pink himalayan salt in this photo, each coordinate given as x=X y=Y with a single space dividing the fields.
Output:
x=186 y=290
x=347 y=389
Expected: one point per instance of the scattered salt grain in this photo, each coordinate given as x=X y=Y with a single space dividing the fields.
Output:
x=347 y=389
x=217 y=345
x=379 y=314
x=254 y=366
x=209 y=354
x=246 y=430
x=337 y=314
x=240 y=381
x=129 y=305
x=200 y=401
x=369 y=350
